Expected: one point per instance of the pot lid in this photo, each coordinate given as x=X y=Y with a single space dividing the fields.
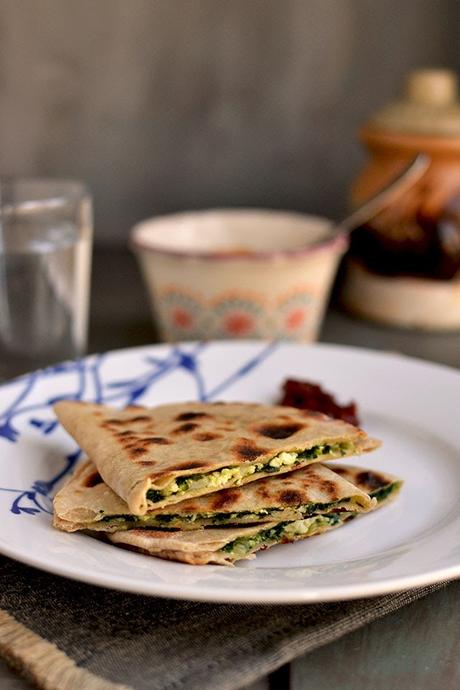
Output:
x=429 y=106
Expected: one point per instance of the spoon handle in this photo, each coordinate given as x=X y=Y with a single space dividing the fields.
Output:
x=411 y=173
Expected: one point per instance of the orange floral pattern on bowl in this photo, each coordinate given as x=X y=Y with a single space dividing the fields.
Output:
x=181 y=318
x=296 y=318
x=236 y=314
x=239 y=324
x=295 y=311
x=180 y=313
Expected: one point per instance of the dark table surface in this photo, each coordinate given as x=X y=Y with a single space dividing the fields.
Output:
x=416 y=647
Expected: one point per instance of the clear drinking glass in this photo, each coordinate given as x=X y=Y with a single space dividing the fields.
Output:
x=45 y=261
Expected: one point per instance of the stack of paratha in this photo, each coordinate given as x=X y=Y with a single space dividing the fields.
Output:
x=213 y=482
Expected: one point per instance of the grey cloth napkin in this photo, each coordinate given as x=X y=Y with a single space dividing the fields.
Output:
x=161 y=644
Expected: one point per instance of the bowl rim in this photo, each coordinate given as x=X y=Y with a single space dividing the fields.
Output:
x=336 y=241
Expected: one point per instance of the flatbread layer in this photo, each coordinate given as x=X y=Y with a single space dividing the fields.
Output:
x=226 y=546
x=222 y=546
x=153 y=457
x=382 y=486
x=86 y=502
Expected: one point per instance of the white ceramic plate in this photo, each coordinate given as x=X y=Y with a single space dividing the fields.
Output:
x=411 y=405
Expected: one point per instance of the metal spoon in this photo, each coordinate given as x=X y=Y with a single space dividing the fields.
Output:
x=406 y=179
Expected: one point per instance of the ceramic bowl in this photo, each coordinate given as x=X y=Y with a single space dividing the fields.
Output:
x=238 y=273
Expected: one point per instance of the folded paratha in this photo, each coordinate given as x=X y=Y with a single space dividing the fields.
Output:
x=382 y=486
x=226 y=546
x=86 y=502
x=153 y=457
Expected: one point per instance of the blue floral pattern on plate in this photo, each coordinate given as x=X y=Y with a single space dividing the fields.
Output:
x=90 y=385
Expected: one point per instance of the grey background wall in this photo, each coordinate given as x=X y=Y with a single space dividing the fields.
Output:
x=164 y=105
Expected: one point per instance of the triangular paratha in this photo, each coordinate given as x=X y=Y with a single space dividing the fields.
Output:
x=86 y=502
x=226 y=546
x=154 y=457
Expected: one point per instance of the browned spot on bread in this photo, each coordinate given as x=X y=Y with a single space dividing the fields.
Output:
x=93 y=480
x=140 y=442
x=128 y=443
x=106 y=425
x=128 y=433
x=188 y=416
x=154 y=477
x=189 y=466
x=329 y=488
x=205 y=436
x=291 y=497
x=225 y=499
x=159 y=440
x=247 y=450
x=185 y=428
x=261 y=490
x=339 y=470
x=279 y=431
x=135 y=440
x=123 y=422
x=371 y=480
x=147 y=463
x=137 y=451
x=192 y=507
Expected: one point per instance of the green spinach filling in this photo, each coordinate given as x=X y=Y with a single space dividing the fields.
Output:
x=385 y=491
x=167 y=519
x=285 y=530
x=233 y=476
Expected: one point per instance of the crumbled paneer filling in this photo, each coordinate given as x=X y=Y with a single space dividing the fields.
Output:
x=233 y=476
x=285 y=530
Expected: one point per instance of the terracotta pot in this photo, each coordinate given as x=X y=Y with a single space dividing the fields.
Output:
x=390 y=152
x=384 y=281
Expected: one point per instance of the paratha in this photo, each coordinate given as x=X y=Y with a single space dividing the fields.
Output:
x=86 y=502
x=231 y=544
x=382 y=486
x=153 y=457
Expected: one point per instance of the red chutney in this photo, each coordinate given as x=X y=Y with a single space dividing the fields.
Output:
x=310 y=396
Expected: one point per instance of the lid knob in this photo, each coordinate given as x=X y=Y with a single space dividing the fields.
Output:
x=435 y=87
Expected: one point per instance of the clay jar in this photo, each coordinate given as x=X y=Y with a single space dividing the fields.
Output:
x=404 y=266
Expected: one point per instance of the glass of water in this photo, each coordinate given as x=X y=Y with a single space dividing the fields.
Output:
x=45 y=261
